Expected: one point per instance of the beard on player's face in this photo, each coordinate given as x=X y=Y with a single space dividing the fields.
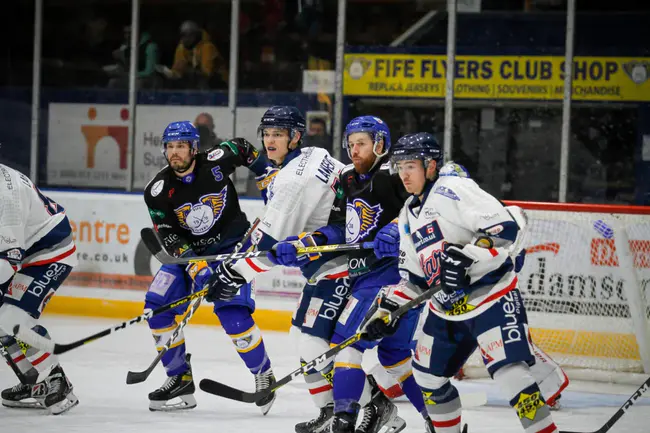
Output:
x=179 y=156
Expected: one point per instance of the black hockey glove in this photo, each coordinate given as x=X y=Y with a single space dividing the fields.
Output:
x=243 y=148
x=224 y=284
x=373 y=326
x=453 y=269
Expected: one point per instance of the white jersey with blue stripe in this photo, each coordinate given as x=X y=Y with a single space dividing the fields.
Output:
x=299 y=199
x=34 y=229
x=457 y=211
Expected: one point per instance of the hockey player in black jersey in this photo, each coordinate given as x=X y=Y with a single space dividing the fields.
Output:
x=373 y=199
x=195 y=210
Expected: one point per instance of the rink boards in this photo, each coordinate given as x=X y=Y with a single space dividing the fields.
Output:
x=575 y=289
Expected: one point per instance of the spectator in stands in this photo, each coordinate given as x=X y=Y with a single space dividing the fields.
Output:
x=205 y=124
x=197 y=62
x=317 y=135
x=148 y=57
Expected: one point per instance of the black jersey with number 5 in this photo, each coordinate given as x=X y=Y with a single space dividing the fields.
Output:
x=201 y=210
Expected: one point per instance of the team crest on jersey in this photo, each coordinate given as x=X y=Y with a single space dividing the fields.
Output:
x=361 y=219
x=200 y=217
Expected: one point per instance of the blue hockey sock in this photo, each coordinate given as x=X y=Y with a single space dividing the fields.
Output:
x=246 y=336
x=349 y=381
x=414 y=394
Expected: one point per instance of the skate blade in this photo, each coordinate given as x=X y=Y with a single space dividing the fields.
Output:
x=267 y=407
x=65 y=405
x=395 y=425
x=186 y=402
x=22 y=404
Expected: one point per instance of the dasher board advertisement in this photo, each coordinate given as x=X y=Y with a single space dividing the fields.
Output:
x=88 y=143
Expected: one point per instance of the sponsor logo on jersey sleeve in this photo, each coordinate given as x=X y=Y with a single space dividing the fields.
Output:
x=215 y=154
x=156 y=215
x=446 y=192
x=157 y=188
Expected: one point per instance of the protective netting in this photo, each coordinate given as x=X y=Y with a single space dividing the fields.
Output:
x=585 y=284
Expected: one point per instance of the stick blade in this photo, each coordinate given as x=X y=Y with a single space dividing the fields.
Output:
x=225 y=391
x=150 y=240
x=133 y=377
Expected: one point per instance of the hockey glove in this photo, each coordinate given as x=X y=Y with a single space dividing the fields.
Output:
x=224 y=283
x=386 y=242
x=200 y=273
x=373 y=326
x=243 y=148
x=453 y=269
x=285 y=253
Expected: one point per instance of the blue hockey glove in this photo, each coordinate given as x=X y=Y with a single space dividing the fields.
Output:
x=285 y=253
x=453 y=269
x=387 y=241
x=224 y=283
x=200 y=273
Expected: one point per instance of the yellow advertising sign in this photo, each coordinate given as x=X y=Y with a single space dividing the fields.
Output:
x=497 y=77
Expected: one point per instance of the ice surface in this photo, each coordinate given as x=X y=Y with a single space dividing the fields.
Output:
x=108 y=405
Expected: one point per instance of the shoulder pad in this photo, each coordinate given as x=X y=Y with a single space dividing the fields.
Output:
x=347 y=168
x=451 y=187
x=161 y=175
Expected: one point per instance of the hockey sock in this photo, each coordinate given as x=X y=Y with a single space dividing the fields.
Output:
x=162 y=327
x=442 y=403
x=349 y=380
x=402 y=372
x=42 y=362
x=525 y=397
x=19 y=358
x=414 y=394
x=320 y=384
x=246 y=336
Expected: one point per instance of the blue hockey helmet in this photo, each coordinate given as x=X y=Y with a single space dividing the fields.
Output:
x=421 y=145
x=374 y=126
x=181 y=131
x=282 y=117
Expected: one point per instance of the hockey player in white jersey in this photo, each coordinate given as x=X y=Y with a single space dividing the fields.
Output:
x=299 y=190
x=36 y=256
x=460 y=239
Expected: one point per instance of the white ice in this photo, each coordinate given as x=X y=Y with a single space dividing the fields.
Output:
x=107 y=405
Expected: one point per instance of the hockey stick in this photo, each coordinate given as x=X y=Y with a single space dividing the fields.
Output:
x=220 y=389
x=34 y=339
x=140 y=376
x=151 y=241
x=12 y=364
x=619 y=413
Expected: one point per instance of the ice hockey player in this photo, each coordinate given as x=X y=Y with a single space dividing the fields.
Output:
x=195 y=210
x=549 y=375
x=36 y=256
x=372 y=198
x=461 y=240
x=300 y=189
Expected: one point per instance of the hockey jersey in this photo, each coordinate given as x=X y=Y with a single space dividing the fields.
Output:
x=300 y=197
x=34 y=229
x=371 y=201
x=456 y=210
x=199 y=213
